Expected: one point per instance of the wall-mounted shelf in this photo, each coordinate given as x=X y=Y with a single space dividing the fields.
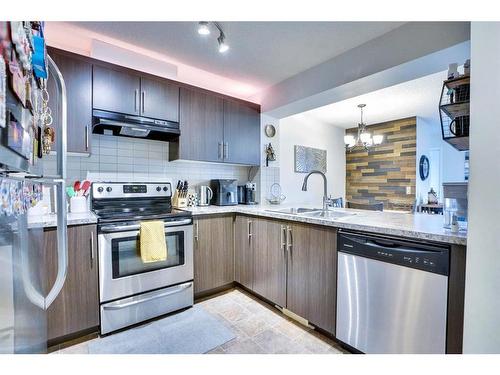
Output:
x=454 y=111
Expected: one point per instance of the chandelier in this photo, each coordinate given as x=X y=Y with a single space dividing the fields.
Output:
x=364 y=138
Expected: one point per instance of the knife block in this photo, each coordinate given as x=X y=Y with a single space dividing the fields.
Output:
x=179 y=202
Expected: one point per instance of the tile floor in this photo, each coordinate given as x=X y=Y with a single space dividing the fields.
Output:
x=258 y=327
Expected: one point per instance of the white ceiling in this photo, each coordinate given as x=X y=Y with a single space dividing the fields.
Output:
x=261 y=53
x=419 y=97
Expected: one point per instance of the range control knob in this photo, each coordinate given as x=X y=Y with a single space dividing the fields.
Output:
x=158 y=188
x=164 y=188
x=109 y=189
x=100 y=189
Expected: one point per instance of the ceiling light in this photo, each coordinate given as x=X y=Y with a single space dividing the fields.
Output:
x=203 y=28
x=349 y=140
x=364 y=138
x=223 y=47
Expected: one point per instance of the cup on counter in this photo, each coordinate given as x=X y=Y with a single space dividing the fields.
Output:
x=78 y=204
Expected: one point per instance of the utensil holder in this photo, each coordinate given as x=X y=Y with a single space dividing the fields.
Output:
x=78 y=204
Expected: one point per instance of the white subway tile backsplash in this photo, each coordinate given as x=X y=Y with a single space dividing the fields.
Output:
x=129 y=159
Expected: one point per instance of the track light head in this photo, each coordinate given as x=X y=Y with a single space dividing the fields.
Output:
x=203 y=28
x=223 y=46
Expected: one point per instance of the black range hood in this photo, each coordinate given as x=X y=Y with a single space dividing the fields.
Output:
x=118 y=124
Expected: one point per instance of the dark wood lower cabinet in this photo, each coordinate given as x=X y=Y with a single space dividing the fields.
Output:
x=292 y=265
x=76 y=309
x=269 y=259
x=243 y=252
x=312 y=274
x=213 y=252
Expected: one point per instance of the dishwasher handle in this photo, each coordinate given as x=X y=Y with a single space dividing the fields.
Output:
x=425 y=257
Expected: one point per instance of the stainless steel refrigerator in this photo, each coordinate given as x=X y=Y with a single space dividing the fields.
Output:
x=24 y=295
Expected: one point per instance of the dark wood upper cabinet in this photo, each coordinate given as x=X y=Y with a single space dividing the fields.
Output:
x=76 y=309
x=241 y=133
x=312 y=269
x=159 y=99
x=77 y=75
x=202 y=127
x=213 y=252
x=216 y=129
x=116 y=90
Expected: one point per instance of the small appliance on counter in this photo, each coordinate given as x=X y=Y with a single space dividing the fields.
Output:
x=225 y=192
x=241 y=194
x=246 y=193
x=205 y=195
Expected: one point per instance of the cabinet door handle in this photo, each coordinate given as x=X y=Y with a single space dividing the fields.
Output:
x=219 y=155
x=92 y=256
x=249 y=230
x=289 y=238
x=226 y=150
x=283 y=236
x=86 y=137
x=143 y=102
x=196 y=231
x=135 y=100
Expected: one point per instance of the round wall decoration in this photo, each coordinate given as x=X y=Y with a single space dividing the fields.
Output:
x=424 y=167
x=270 y=130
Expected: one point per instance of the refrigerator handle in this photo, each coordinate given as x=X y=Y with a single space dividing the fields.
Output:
x=62 y=234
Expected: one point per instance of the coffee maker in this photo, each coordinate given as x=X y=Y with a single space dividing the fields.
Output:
x=250 y=192
x=225 y=192
x=246 y=193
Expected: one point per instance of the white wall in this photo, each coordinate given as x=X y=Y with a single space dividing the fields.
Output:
x=452 y=162
x=482 y=296
x=131 y=159
x=270 y=174
x=304 y=131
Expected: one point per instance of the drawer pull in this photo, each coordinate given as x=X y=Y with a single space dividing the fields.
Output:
x=147 y=299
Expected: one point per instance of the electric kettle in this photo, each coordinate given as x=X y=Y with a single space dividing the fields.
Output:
x=205 y=195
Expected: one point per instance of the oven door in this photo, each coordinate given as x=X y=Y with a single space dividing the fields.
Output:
x=121 y=270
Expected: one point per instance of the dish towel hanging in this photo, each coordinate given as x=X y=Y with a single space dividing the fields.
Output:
x=153 y=246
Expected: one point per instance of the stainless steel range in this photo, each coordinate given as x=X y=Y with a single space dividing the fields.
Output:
x=132 y=291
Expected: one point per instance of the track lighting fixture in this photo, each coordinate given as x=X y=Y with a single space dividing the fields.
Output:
x=204 y=29
x=223 y=47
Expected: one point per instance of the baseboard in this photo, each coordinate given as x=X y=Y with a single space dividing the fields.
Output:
x=199 y=296
x=62 y=342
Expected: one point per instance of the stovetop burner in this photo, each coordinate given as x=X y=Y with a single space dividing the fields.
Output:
x=134 y=201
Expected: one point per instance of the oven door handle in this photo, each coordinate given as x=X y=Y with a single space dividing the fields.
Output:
x=126 y=228
x=147 y=299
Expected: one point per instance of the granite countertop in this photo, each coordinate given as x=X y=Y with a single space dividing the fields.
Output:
x=413 y=226
x=50 y=220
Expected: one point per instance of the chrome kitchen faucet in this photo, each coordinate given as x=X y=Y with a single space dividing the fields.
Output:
x=325 y=192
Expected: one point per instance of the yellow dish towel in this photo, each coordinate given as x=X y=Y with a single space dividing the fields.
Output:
x=153 y=245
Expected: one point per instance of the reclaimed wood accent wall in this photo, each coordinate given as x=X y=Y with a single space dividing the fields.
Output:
x=383 y=173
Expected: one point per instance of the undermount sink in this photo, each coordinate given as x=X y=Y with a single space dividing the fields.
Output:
x=328 y=214
x=294 y=210
x=313 y=212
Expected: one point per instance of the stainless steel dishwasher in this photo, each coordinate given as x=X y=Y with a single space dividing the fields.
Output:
x=391 y=294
